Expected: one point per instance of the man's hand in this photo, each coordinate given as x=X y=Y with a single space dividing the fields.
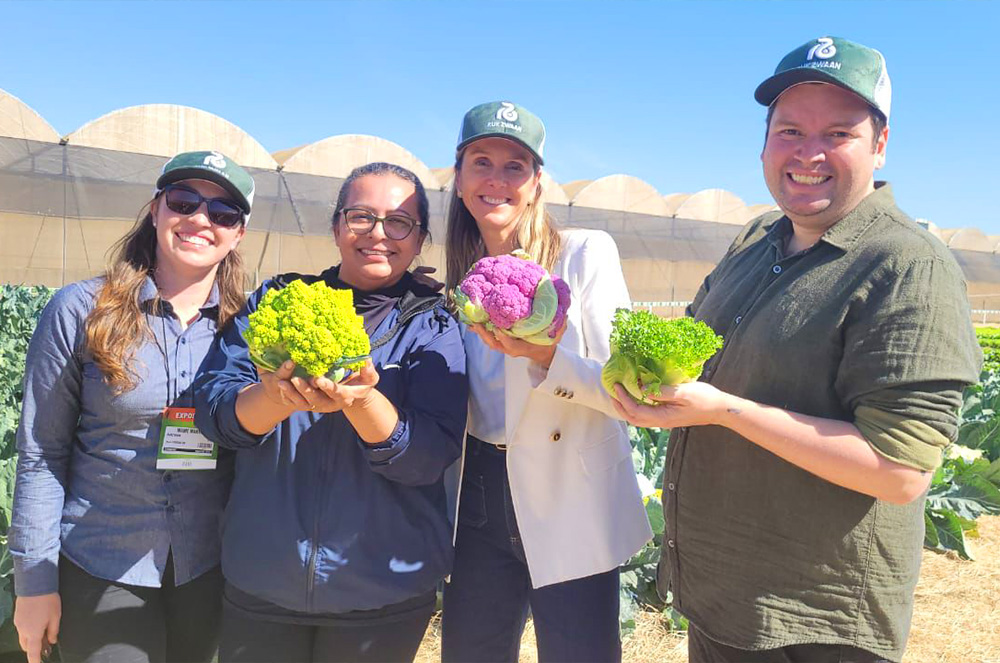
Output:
x=36 y=619
x=687 y=404
x=515 y=347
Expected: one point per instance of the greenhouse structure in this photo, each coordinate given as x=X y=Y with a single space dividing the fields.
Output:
x=65 y=200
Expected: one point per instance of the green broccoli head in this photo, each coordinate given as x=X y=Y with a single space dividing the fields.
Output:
x=648 y=351
x=313 y=325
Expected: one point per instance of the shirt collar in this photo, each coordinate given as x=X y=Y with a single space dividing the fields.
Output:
x=846 y=232
x=149 y=291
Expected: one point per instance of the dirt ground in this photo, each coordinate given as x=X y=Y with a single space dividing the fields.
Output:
x=956 y=616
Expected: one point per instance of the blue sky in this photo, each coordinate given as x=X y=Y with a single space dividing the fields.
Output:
x=659 y=90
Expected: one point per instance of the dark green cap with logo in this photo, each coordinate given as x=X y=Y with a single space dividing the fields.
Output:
x=833 y=60
x=214 y=167
x=503 y=119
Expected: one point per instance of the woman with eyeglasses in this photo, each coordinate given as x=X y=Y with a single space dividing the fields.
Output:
x=117 y=506
x=549 y=505
x=337 y=531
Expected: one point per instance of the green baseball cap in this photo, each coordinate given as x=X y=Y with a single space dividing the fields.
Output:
x=503 y=119
x=833 y=60
x=214 y=167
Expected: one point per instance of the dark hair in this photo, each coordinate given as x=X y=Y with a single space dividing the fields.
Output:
x=879 y=123
x=382 y=168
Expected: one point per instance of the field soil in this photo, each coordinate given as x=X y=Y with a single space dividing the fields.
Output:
x=956 y=616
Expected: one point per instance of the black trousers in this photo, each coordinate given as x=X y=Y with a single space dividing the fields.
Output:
x=111 y=622
x=702 y=649
x=373 y=636
x=487 y=601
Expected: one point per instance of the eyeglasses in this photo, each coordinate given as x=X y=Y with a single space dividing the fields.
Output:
x=186 y=201
x=361 y=222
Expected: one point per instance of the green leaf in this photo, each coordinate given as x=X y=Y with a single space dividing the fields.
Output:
x=8 y=472
x=654 y=511
x=949 y=529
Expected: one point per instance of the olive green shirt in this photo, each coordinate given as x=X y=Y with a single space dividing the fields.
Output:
x=870 y=325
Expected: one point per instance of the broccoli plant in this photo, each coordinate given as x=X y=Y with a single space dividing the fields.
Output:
x=313 y=325
x=648 y=351
x=514 y=295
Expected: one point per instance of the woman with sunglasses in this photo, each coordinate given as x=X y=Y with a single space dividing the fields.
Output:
x=549 y=504
x=115 y=528
x=337 y=531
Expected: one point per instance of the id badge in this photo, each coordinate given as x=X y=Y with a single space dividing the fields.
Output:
x=182 y=446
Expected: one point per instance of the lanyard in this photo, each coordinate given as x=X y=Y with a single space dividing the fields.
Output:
x=171 y=387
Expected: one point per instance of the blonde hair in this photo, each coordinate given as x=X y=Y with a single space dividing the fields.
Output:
x=537 y=235
x=117 y=324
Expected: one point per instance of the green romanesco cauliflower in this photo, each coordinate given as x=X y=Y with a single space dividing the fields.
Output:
x=313 y=325
x=648 y=351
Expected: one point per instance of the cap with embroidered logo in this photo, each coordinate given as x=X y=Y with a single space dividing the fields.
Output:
x=503 y=119
x=214 y=167
x=856 y=68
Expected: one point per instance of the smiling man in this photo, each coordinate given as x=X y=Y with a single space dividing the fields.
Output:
x=798 y=465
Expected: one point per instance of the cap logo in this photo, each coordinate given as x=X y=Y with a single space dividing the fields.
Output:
x=507 y=112
x=215 y=160
x=823 y=49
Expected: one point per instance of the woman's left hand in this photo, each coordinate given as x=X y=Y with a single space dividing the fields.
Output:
x=324 y=395
x=515 y=347
x=687 y=404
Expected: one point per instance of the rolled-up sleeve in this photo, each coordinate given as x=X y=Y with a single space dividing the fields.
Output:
x=428 y=437
x=50 y=412
x=226 y=370
x=910 y=350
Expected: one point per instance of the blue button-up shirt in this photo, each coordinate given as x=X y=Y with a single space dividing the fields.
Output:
x=87 y=484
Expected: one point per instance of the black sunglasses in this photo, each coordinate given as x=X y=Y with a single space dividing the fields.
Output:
x=186 y=201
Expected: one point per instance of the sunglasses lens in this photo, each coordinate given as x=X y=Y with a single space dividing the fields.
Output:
x=223 y=214
x=182 y=201
x=220 y=212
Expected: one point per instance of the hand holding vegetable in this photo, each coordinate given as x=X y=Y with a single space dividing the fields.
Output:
x=685 y=404
x=648 y=352
x=514 y=296
x=314 y=326
x=515 y=347
x=318 y=394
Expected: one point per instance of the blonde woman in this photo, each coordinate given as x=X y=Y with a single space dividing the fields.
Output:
x=549 y=504
x=115 y=532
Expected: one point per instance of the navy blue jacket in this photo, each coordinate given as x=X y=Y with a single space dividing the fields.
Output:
x=319 y=521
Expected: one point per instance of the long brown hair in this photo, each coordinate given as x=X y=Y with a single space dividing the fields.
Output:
x=117 y=325
x=464 y=245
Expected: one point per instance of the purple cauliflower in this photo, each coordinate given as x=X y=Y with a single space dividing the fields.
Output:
x=515 y=295
x=562 y=291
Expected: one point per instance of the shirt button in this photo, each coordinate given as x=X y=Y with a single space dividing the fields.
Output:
x=670 y=543
x=671 y=486
x=776 y=269
x=167 y=477
x=171 y=508
x=184 y=374
x=184 y=341
x=556 y=436
x=738 y=319
x=569 y=395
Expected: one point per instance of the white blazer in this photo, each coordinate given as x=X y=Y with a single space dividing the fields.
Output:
x=578 y=504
